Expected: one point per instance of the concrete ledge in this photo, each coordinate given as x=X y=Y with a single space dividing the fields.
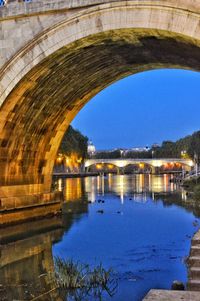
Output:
x=31 y=213
x=162 y=295
x=10 y=204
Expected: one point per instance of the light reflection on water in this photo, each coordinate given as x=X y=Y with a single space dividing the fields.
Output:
x=144 y=234
x=120 y=185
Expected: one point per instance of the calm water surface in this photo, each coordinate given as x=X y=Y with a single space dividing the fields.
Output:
x=144 y=234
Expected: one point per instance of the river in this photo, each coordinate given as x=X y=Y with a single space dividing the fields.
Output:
x=140 y=225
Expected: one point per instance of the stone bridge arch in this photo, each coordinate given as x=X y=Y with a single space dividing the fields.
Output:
x=46 y=82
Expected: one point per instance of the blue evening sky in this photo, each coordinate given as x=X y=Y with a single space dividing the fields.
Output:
x=143 y=109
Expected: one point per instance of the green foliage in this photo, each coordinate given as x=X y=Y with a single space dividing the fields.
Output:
x=197 y=192
x=81 y=281
x=137 y=155
x=69 y=275
x=74 y=142
x=108 y=155
x=189 y=144
x=190 y=184
x=169 y=149
x=194 y=146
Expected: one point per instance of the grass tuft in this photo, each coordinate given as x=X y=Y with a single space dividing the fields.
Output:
x=80 y=280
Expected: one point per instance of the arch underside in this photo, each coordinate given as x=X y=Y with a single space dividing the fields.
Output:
x=39 y=109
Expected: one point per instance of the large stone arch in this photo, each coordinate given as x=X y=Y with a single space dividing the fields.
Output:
x=46 y=83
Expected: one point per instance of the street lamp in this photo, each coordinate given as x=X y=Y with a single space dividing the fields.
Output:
x=184 y=154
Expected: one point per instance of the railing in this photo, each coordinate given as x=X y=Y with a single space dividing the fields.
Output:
x=193 y=174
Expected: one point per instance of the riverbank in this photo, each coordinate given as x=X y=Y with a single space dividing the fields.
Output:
x=192 y=187
x=194 y=264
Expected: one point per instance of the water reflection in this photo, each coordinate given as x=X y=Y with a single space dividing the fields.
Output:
x=26 y=258
x=140 y=187
x=139 y=231
x=122 y=185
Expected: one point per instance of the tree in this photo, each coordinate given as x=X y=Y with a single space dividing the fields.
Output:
x=194 y=148
x=74 y=142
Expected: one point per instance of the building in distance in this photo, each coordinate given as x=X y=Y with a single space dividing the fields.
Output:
x=91 y=149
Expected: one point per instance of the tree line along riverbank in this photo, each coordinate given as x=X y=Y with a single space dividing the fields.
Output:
x=192 y=186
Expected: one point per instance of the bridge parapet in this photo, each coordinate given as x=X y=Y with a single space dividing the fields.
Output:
x=47 y=5
x=10 y=8
x=124 y=162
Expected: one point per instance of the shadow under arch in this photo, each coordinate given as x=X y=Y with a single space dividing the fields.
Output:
x=63 y=68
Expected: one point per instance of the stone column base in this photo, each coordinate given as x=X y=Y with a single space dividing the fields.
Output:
x=29 y=207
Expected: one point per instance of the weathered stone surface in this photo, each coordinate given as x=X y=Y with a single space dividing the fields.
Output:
x=194 y=264
x=161 y=295
x=56 y=55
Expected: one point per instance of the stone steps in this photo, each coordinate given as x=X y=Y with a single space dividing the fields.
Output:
x=162 y=295
x=195 y=251
x=194 y=261
x=194 y=272
x=194 y=285
x=196 y=239
x=196 y=242
x=194 y=264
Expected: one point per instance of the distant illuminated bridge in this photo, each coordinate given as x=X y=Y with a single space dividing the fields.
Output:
x=153 y=163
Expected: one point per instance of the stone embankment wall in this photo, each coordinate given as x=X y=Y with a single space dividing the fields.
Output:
x=194 y=264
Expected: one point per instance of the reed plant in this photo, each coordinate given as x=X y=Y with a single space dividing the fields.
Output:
x=81 y=280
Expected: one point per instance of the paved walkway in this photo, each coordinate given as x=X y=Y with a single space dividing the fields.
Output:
x=162 y=295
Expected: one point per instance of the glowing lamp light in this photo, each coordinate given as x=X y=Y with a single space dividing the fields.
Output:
x=59 y=159
x=99 y=166
x=191 y=163
x=157 y=163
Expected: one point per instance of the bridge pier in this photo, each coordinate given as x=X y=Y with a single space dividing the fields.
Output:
x=27 y=202
x=120 y=170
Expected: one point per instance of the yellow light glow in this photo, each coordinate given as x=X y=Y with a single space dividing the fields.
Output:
x=99 y=166
x=59 y=159
x=191 y=163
